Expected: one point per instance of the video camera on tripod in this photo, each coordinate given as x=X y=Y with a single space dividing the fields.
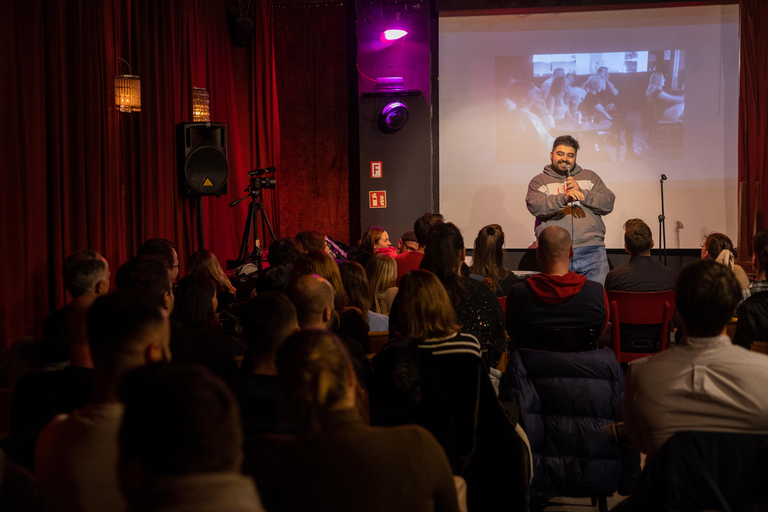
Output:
x=257 y=183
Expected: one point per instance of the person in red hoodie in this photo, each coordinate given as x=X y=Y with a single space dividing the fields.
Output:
x=556 y=298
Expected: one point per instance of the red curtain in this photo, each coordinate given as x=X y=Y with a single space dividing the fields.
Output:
x=81 y=175
x=753 y=114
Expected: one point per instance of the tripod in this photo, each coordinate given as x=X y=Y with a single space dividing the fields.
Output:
x=250 y=226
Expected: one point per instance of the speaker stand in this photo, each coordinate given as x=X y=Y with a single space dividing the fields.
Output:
x=200 y=241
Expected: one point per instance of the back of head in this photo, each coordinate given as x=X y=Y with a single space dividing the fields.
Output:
x=441 y=257
x=716 y=243
x=370 y=237
x=759 y=242
x=120 y=327
x=321 y=264
x=595 y=84
x=488 y=256
x=82 y=270
x=314 y=374
x=179 y=420
x=382 y=273
x=193 y=307
x=554 y=246
x=424 y=308
x=311 y=294
x=424 y=225
x=266 y=321
x=311 y=240
x=146 y=276
x=274 y=279
x=284 y=251
x=707 y=294
x=159 y=247
x=355 y=283
x=637 y=237
x=205 y=263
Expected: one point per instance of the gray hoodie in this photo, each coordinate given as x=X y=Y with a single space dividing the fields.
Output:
x=546 y=201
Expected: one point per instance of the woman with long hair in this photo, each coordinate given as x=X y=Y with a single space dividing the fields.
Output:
x=359 y=294
x=321 y=264
x=557 y=100
x=373 y=468
x=375 y=238
x=381 y=270
x=195 y=305
x=718 y=247
x=488 y=260
x=205 y=263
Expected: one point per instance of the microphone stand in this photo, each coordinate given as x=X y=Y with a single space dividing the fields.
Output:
x=662 y=223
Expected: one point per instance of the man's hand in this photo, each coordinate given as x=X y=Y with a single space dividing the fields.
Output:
x=574 y=195
x=572 y=184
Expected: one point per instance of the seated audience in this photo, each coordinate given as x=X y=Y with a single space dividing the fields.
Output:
x=362 y=467
x=76 y=456
x=718 y=247
x=166 y=251
x=274 y=279
x=284 y=251
x=412 y=259
x=312 y=241
x=641 y=273
x=266 y=321
x=556 y=298
x=488 y=260
x=752 y=324
x=759 y=241
x=204 y=263
x=705 y=384
x=356 y=285
x=144 y=275
x=407 y=242
x=195 y=308
x=375 y=239
x=181 y=443
x=382 y=276
x=321 y=264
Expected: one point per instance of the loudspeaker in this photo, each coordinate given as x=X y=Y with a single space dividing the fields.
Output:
x=203 y=165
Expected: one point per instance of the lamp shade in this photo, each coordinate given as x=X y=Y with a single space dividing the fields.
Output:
x=128 y=93
x=201 y=105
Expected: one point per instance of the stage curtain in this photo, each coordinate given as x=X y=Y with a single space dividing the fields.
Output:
x=79 y=174
x=753 y=114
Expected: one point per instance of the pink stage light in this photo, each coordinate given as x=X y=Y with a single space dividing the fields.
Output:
x=392 y=34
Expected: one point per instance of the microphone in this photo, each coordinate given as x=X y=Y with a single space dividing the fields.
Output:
x=260 y=171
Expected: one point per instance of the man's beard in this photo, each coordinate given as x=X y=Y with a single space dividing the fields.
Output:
x=564 y=169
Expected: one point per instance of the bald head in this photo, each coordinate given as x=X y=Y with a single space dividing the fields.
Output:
x=555 y=248
x=313 y=297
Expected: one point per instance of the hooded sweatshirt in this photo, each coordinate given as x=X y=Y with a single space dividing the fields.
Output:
x=583 y=219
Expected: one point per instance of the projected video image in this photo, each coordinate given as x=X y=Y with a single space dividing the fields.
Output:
x=620 y=105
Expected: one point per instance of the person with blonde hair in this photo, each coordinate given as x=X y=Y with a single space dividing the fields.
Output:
x=372 y=468
x=382 y=276
x=204 y=263
x=488 y=260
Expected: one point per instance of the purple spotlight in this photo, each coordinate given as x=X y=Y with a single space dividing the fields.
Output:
x=392 y=34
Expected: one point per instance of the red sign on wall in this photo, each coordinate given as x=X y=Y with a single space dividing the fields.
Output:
x=376 y=170
x=377 y=199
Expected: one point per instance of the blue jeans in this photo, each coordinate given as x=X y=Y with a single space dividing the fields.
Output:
x=592 y=262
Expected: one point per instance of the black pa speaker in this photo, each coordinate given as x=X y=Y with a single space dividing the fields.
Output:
x=203 y=165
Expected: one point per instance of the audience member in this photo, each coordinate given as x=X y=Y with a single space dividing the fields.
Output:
x=488 y=260
x=718 y=247
x=144 y=275
x=705 y=384
x=205 y=263
x=556 y=298
x=592 y=104
x=412 y=259
x=641 y=273
x=321 y=264
x=376 y=239
x=284 y=251
x=382 y=276
x=546 y=85
x=181 y=443
x=407 y=242
x=752 y=324
x=372 y=468
x=274 y=279
x=312 y=241
x=356 y=285
x=76 y=456
x=166 y=251
x=759 y=241
x=266 y=321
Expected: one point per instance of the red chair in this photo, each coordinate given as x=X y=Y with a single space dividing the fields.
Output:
x=640 y=308
x=503 y=304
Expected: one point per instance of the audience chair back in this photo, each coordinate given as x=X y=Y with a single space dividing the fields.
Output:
x=557 y=339
x=640 y=308
x=378 y=340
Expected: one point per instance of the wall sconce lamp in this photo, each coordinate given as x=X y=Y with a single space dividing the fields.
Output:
x=201 y=105
x=394 y=23
x=127 y=91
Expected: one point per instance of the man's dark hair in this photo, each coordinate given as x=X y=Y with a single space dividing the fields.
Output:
x=311 y=240
x=146 y=276
x=762 y=258
x=707 y=294
x=159 y=247
x=82 y=270
x=568 y=141
x=759 y=242
x=267 y=320
x=117 y=323
x=424 y=225
x=284 y=251
x=601 y=68
x=179 y=419
x=637 y=237
x=274 y=279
